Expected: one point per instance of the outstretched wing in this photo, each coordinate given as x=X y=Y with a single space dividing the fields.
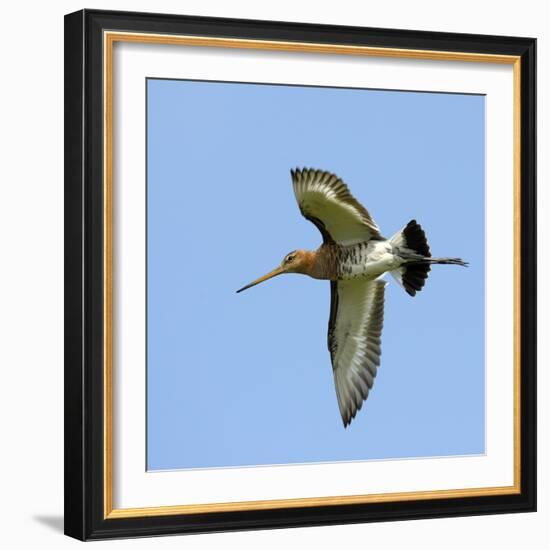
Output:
x=354 y=331
x=325 y=200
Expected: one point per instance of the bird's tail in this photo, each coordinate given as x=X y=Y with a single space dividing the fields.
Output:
x=411 y=244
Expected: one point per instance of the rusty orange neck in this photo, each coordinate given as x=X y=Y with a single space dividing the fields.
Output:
x=309 y=262
x=320 y=263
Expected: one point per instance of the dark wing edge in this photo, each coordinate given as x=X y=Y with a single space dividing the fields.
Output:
x=332 y=318
x=327 y=239
x=354 y=377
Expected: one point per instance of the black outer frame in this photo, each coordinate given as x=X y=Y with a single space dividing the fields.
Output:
x=84 y=275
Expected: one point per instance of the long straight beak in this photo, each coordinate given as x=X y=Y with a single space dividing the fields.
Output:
x=274 y=273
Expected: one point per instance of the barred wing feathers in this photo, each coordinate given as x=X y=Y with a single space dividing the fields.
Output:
x=355 y=328
x=325 y=200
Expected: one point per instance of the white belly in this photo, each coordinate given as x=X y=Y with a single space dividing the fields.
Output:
x=371 y=262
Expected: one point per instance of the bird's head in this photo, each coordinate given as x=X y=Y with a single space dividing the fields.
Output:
x=298 y=261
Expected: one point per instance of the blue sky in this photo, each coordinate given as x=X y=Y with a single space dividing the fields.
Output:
x=245 y=379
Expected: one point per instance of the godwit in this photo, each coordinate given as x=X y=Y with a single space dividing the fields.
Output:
x=353 y=257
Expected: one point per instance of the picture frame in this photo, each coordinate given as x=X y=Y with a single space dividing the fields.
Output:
x=91 y=476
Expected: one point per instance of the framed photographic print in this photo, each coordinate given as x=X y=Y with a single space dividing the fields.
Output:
x=377 y=182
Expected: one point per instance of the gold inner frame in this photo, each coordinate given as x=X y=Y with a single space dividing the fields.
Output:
x=109 y=39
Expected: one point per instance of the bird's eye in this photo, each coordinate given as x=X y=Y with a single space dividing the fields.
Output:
x=289 y=258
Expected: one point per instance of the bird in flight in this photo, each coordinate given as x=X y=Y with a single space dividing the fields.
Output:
x=353 y=257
